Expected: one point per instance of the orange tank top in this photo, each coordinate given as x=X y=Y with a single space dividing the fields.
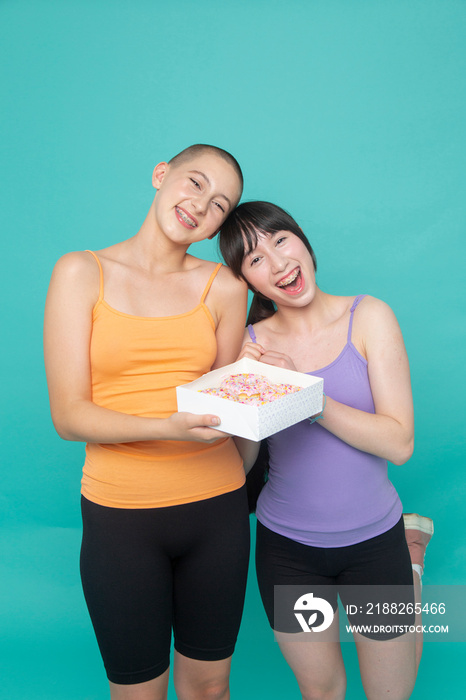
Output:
x=136 y=364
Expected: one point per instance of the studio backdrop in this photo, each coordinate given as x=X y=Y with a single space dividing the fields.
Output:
x=351 y=116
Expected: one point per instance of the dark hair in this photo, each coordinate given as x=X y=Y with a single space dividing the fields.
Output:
x=199 y=148
x=239 y=235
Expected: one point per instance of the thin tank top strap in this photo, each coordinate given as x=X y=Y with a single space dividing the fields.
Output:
x=359 y=298
x=209 y=283
x=101 y=273
x=252 y=335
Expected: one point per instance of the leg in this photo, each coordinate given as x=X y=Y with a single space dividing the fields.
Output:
x=155 y=689
x=285 y=570
x=127 y=583
x=201 y=680
x=317 y=665
x=378 y=582
x=388 y=668
x=418 y=531
x=209 y=587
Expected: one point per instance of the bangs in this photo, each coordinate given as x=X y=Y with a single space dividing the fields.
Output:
x=251 y=235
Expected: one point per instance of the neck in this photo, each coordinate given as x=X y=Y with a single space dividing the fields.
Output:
x=310 y=317
x=152 y=250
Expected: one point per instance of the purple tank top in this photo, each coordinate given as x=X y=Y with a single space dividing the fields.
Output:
x=321 y=491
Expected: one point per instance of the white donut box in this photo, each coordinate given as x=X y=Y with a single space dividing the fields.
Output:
x=254 y=422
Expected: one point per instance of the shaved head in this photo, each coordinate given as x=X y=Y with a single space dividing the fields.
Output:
x=199 y=149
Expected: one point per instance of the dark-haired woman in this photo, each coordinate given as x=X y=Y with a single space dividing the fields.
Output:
x=329 y=518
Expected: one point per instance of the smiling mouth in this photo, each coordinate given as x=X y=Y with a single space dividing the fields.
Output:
x=289 y=279
x=192 y=223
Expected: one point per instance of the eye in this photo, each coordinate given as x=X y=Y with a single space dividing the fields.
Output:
x=217 y=204
x=280 y=240
x=195 y=182
x=255 y=260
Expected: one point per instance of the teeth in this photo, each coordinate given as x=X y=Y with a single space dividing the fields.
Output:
x=288 y=280
x=186 y=218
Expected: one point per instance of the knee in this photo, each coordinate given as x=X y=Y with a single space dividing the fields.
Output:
x=335 y=690
x=204 y=690
x=215 y=690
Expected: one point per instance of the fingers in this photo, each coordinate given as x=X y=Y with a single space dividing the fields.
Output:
x=199 y=427
x=278 y=359
x=257 y=352
x=193 y=427
x=202 y=424
x=207 y=435
x=194 y=420
x=207 y=420
x=253 y=351
x=202 y=432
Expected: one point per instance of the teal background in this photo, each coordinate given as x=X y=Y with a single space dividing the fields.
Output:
x=349 y=114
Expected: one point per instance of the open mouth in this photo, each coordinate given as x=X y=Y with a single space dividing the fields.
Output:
x=292 y=283
x=185 y=218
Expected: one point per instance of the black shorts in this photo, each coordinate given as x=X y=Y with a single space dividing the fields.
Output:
x=374 y=577
x=148 y=571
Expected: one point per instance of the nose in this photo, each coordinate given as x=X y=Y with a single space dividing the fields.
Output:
x=277 y=262
x=199 y=203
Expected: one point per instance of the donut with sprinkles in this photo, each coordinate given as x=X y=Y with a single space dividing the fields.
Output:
x=250 y=388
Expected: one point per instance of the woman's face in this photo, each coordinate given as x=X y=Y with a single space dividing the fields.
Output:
x=194 y=197
x=280 y=268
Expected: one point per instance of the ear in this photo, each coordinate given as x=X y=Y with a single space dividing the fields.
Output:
x=159 y=173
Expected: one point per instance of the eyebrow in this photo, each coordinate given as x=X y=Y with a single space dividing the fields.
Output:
x=253 y=240
x=203 y=175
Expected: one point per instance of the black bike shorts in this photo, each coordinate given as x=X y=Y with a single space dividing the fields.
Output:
x=148 y=571
x=373 y=578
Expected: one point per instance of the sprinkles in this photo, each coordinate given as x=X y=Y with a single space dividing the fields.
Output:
x=252 y=389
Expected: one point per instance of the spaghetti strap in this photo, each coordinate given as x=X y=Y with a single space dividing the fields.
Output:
x=209 y=283
x=359 y=298
x=101 y=273
x=252 y=335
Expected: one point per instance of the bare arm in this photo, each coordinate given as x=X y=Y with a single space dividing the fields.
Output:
x=248 y=450
x=71 y=297
x=389 y=433
x=231 y=308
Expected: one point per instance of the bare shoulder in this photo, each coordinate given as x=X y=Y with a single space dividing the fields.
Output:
x=76 y=271
x=375 y=323
x=374 y=312
x=229 y=283
x=227 y=295
x=226 y=287
x=76 y=263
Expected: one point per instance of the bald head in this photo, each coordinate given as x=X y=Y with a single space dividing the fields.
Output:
x=199 y=149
